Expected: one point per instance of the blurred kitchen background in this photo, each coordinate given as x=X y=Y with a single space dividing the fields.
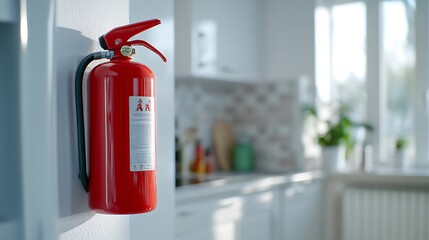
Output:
x=301 y=119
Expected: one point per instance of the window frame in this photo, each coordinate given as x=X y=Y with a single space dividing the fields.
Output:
x=376 y=87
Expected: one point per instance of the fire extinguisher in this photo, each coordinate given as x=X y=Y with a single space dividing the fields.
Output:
x=121 y=125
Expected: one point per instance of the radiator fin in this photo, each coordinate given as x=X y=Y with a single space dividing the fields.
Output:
x=385 y=214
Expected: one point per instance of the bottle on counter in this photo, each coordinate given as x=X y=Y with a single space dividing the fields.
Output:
x=210 y=161
x=178 y=155
x=198 y=166
x=243 y=156
x=367 y=163
x=187 y=150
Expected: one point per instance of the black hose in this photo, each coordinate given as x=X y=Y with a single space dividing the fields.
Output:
x=79 y=119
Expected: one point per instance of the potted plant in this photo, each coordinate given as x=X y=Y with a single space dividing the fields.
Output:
x=336 y=141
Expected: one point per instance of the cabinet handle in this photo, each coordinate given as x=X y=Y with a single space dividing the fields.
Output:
x=202 y=49
x=226 y=69
x=294 y=190
x=426 y=100
x=185 y=213
x=226 y=205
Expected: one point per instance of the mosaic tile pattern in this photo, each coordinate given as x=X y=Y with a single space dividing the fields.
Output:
x=269 y=114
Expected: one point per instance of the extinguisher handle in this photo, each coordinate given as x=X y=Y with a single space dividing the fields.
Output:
x=149 y=46
x=117 y=37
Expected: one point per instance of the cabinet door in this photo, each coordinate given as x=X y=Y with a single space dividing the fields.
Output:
x=301 y=212
x=221 y=231
x=257 y=226
x=260 y=215
x=216 y=219
x=241 y=217
x=221 y=39
x=239 y=39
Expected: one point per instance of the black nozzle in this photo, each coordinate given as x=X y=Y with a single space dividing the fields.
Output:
x=102 y=43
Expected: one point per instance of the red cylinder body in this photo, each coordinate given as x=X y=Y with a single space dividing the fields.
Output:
x=121 y=134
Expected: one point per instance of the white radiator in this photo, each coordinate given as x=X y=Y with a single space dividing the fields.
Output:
x=385 y=214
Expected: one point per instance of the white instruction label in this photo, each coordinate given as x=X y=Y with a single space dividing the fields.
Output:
x=142 y=133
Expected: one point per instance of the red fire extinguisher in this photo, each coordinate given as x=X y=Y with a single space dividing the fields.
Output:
x=121 y=125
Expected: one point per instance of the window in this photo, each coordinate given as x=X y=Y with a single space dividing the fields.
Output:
x=349 y=58
x=366 y=61
x=398 y=73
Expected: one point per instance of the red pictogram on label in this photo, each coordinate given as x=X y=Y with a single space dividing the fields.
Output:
x=147 y=109
x=140 y=105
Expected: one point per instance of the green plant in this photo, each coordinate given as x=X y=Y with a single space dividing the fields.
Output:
x=339 y=128
x=401 y=143
x=338 y=133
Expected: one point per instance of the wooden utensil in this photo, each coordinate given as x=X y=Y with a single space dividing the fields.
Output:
x=223 y=144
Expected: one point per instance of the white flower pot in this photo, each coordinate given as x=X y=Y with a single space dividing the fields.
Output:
x=400 y=159
x=334 y=158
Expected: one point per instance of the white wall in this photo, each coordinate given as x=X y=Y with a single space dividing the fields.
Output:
x=79 y=23
x=290 y=45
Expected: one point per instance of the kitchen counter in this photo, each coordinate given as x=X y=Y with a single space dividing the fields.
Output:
x=193 y=188
x=259 y=201
x=238 y=183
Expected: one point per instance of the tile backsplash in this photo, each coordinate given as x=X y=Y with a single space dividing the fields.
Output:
x=267 y=113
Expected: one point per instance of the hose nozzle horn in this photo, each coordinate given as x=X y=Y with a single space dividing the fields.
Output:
x=118 y=37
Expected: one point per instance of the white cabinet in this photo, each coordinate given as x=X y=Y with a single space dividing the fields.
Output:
x=287 y=210
x=219 y=39
x=210 y=219
x=244 y=217
x=226 y=230
x=259 y=216
x=257 y=226
x=301 y=213
x=244 y=40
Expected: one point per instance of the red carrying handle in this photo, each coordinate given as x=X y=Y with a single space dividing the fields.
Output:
x=118 y=37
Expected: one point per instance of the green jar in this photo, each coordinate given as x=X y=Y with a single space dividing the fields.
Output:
x=243 y=157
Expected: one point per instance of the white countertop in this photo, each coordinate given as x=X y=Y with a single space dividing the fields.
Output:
x=237 y=183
